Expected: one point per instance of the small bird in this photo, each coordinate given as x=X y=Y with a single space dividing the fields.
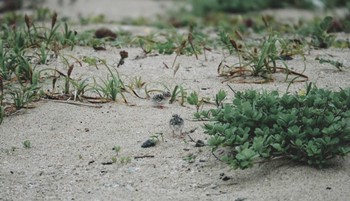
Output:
x=176 y=124
x=159 y=100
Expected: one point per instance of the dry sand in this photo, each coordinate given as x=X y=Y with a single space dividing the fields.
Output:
x=70 y=143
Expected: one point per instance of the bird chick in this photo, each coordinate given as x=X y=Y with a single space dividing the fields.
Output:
x=159 y=100
x=176 y=124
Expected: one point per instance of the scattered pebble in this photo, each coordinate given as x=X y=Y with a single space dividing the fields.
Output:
x=200 y=143
x=148 y=143
x=224 y=177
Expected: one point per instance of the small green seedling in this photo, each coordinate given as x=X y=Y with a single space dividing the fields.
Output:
x=91 y=61
x=220 y=97
x=190 y=158
x=27 y=144
x=137 y=83
x=114 y=159
x=117 y=149
x=193 y=99
x=125 y=160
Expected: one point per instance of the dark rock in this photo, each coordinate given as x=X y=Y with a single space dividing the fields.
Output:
x=148 y=143
x=199 y=143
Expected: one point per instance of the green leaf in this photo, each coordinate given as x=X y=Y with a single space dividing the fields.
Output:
x=298 y=142
x=216 y=141
x=258 y=143
x=277 y=146
x=326 y=22
x=219 y=97
x=246 y=154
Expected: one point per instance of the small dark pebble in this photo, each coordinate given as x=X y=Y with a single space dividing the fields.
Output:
x=328 y=188
x=148 y=143
x=91 y=162
x=226 y=178
x=222 y=174
x=11 y=172
x=199 y=143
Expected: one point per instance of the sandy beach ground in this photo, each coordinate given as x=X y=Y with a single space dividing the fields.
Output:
x=72 y=143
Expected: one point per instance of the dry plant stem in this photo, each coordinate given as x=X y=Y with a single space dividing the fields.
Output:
x=176 y=69
x=29 y=23
x=238 y=72
x=215 y=156
x=77 y=103
x=1 y=89
x=190 y=40
x=172 y=66
x=188 y=134
x=178 y=52
x=192 y=140
x=271 y=159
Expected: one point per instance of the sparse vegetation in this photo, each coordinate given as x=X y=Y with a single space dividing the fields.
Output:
x=311 y=128
x=29 y=46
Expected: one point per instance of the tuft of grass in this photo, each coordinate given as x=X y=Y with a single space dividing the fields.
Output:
x=22 y=95
x=111 y=87
x=180 y=92
x=258 y=61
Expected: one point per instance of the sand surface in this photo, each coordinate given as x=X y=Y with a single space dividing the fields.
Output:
x=71 y=143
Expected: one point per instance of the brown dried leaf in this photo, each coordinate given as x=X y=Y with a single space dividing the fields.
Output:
x=28 y=21
x=53 y=20
x=70 y=69
x=176 y=68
